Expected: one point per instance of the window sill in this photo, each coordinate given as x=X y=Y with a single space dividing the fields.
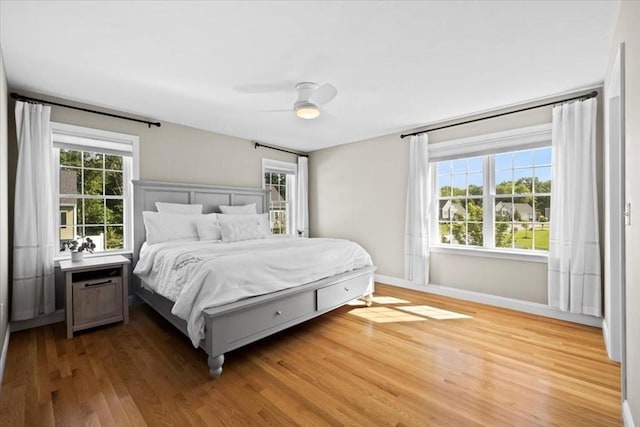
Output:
x=528 y=256
x=126 y=253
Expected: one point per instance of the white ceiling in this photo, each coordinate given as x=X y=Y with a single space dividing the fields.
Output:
x=219 y=65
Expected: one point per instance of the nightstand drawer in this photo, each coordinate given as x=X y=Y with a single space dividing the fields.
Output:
x=97 y=302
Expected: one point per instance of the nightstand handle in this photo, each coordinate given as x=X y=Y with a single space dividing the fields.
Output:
x=86 y=285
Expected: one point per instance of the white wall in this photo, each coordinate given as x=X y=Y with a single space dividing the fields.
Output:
x=4 y=231
x=628 y=31
x=358 y=191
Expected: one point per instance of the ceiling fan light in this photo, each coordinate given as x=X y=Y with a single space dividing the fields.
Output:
x=307 y=111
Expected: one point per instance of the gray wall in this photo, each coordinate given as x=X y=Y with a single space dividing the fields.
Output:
x=628 y=31
x=4 y=231
x=169 y=153
x=358 y=191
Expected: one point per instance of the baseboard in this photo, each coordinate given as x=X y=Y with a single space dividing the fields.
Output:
x=45 y=319
x=497 y=301
x=3 y=355
x=626 y=415
x=395 y=281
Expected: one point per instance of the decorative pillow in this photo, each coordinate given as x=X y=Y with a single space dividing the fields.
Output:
x=163 y=227
x=239 y=210
x=209 y=229
x=236 y=228
x=178 y=208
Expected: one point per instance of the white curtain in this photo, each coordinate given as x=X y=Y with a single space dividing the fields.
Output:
x=574 y=248
x=302 y=199
x=416 y=236
x=33 y=242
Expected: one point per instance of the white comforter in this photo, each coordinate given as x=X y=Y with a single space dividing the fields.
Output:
x=202 y=274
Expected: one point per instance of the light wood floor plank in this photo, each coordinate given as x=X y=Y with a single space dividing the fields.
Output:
x=392 y=367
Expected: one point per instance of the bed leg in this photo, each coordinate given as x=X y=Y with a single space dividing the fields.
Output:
x=215 y=365
x=368 y=299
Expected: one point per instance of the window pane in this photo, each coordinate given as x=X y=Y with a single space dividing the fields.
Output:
x=113 y=183
x=503 y=161
x=503 y=234
x=444 y=168
x=67 y=220
x=542 y=207
x=459 y=233
x=93 y=182
x=70 y=181
x=70 y=158
x=96 y=234
x=522 y=158
x=523 y=235
x=448 y=209
x=115 y=237
x=542 y=156
x=79 y=213
x=474 y=182
x=475 y=164
x=113 y=162
x=504 y=182
x=115 y=210
x=543 y=180
x=94 y=211
x=459 y=165
x=445 y=232
x=444 y=182
x=93 y=160
x=523 y=179
x=541 y=236
x=459 y=183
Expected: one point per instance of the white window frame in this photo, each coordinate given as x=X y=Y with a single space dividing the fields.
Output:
x=98 y=140
x=486 y=145
x=291 y=169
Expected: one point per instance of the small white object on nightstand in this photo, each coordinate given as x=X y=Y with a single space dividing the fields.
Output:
x=96 y=292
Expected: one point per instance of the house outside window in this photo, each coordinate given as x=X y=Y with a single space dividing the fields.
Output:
x=94 y=173
x=493 y=191
x=280 y=179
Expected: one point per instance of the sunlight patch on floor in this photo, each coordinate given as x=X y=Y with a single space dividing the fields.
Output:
x=385 y=315
x=433 y=312
x=389 y=300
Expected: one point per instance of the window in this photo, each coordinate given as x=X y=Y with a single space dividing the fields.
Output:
x=493 y=197
x=522 y=199
x=280 y=180
x=94 y=172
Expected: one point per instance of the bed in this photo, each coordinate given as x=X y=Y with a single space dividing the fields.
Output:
x=231 y=325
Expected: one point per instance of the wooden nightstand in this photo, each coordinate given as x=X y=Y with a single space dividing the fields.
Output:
x=96 y=292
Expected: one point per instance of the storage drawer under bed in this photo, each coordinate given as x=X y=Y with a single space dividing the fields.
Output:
x=269 y=315
x=342 y=292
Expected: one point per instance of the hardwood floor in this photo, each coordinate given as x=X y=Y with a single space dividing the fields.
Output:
x=391 y=367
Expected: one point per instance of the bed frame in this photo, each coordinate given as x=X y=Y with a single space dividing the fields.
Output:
x=234 y=325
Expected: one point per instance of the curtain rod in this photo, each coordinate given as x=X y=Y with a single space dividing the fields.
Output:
x=257 y=144
x=23 y=98
x=580 y=97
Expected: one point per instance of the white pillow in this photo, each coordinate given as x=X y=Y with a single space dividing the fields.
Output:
x=236 y=228
x=163 y=227
x=178 y=208
x=239 y=210
x=209 y=229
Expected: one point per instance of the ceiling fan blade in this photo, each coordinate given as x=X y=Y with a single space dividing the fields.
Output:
x=324 y=94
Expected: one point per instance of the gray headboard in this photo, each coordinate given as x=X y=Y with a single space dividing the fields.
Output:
x=147 y=193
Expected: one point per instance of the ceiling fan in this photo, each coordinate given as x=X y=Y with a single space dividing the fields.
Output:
x=310 y=97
